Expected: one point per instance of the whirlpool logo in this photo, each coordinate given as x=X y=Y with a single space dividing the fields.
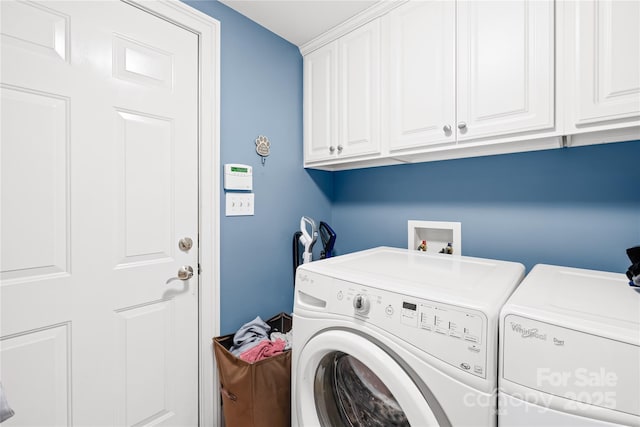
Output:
x=527 y=332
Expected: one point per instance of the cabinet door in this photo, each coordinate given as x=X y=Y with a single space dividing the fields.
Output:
x=607 y=73
x=359 y=91
x=422 y=74
x=505 y=67
x=320 y=103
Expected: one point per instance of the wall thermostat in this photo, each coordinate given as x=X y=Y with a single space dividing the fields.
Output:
x=238 y=177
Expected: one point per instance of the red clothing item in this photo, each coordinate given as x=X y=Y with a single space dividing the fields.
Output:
x=264 y=349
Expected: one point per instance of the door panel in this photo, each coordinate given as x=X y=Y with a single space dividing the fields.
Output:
x=142 y=64
x=146 y=337
x=99 y=183
x=147 y=166
x=47 y=351
x=36 y=27
x=36 y=156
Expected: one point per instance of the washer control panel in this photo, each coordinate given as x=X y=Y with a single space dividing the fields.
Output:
x=443 y=320
x=361 y=304
x=455 y=335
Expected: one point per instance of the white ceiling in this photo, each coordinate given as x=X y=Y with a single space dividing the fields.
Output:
x=299 y=21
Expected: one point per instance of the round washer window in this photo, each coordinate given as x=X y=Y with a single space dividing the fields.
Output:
x=349 y=394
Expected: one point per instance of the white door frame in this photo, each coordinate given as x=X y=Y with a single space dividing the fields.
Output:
x=208 y=31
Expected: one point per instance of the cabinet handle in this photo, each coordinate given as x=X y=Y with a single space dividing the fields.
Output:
x=462 y=125
x=340 y=147
x=332 y=149
x=446 y=128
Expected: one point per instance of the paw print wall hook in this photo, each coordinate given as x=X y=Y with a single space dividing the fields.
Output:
x=262 y=147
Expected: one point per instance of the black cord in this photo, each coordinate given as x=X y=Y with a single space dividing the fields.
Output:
x=296 y=254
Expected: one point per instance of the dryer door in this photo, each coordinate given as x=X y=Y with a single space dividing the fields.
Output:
x=345 y=379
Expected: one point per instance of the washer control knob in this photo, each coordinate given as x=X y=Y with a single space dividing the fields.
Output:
x=361 y=304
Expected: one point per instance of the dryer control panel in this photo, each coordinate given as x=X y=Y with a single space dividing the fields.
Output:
x=454 y=335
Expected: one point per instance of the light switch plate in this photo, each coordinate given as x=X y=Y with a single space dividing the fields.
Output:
x=239 y=204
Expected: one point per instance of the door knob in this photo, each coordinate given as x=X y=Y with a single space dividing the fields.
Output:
x=332 y=149
x=462 y=125
x=185 y=272
x=446 y=128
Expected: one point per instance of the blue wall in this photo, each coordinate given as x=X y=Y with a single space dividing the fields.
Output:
x=261 y=94
x=577 y=207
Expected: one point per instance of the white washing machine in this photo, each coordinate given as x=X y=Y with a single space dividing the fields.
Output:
x=570 y=350
x=395 y=337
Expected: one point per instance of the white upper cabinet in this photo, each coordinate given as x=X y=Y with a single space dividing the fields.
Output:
x=359 y=91
x=470 y=73
x=431 y=80
x=505 y=68
x=422 y=72
x=603 y=65
x=342 y=97
x=503 y=83
x=320 y=103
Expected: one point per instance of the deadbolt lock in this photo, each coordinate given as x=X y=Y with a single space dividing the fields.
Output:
x=185 y=244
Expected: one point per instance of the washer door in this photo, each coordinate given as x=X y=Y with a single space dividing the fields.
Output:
x=345 y=379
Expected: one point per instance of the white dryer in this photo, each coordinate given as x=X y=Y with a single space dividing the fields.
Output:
x=394 y=337
x=570 y=350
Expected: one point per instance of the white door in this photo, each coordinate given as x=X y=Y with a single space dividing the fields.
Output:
x=422 y=108
x=359 y=91
x=606 y=76
x=505 y=68
x=99 y=183
x=320 y=103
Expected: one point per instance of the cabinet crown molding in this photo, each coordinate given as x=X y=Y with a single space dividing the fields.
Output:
x=367 y=15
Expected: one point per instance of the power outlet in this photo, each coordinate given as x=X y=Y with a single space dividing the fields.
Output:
x=239 y=204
